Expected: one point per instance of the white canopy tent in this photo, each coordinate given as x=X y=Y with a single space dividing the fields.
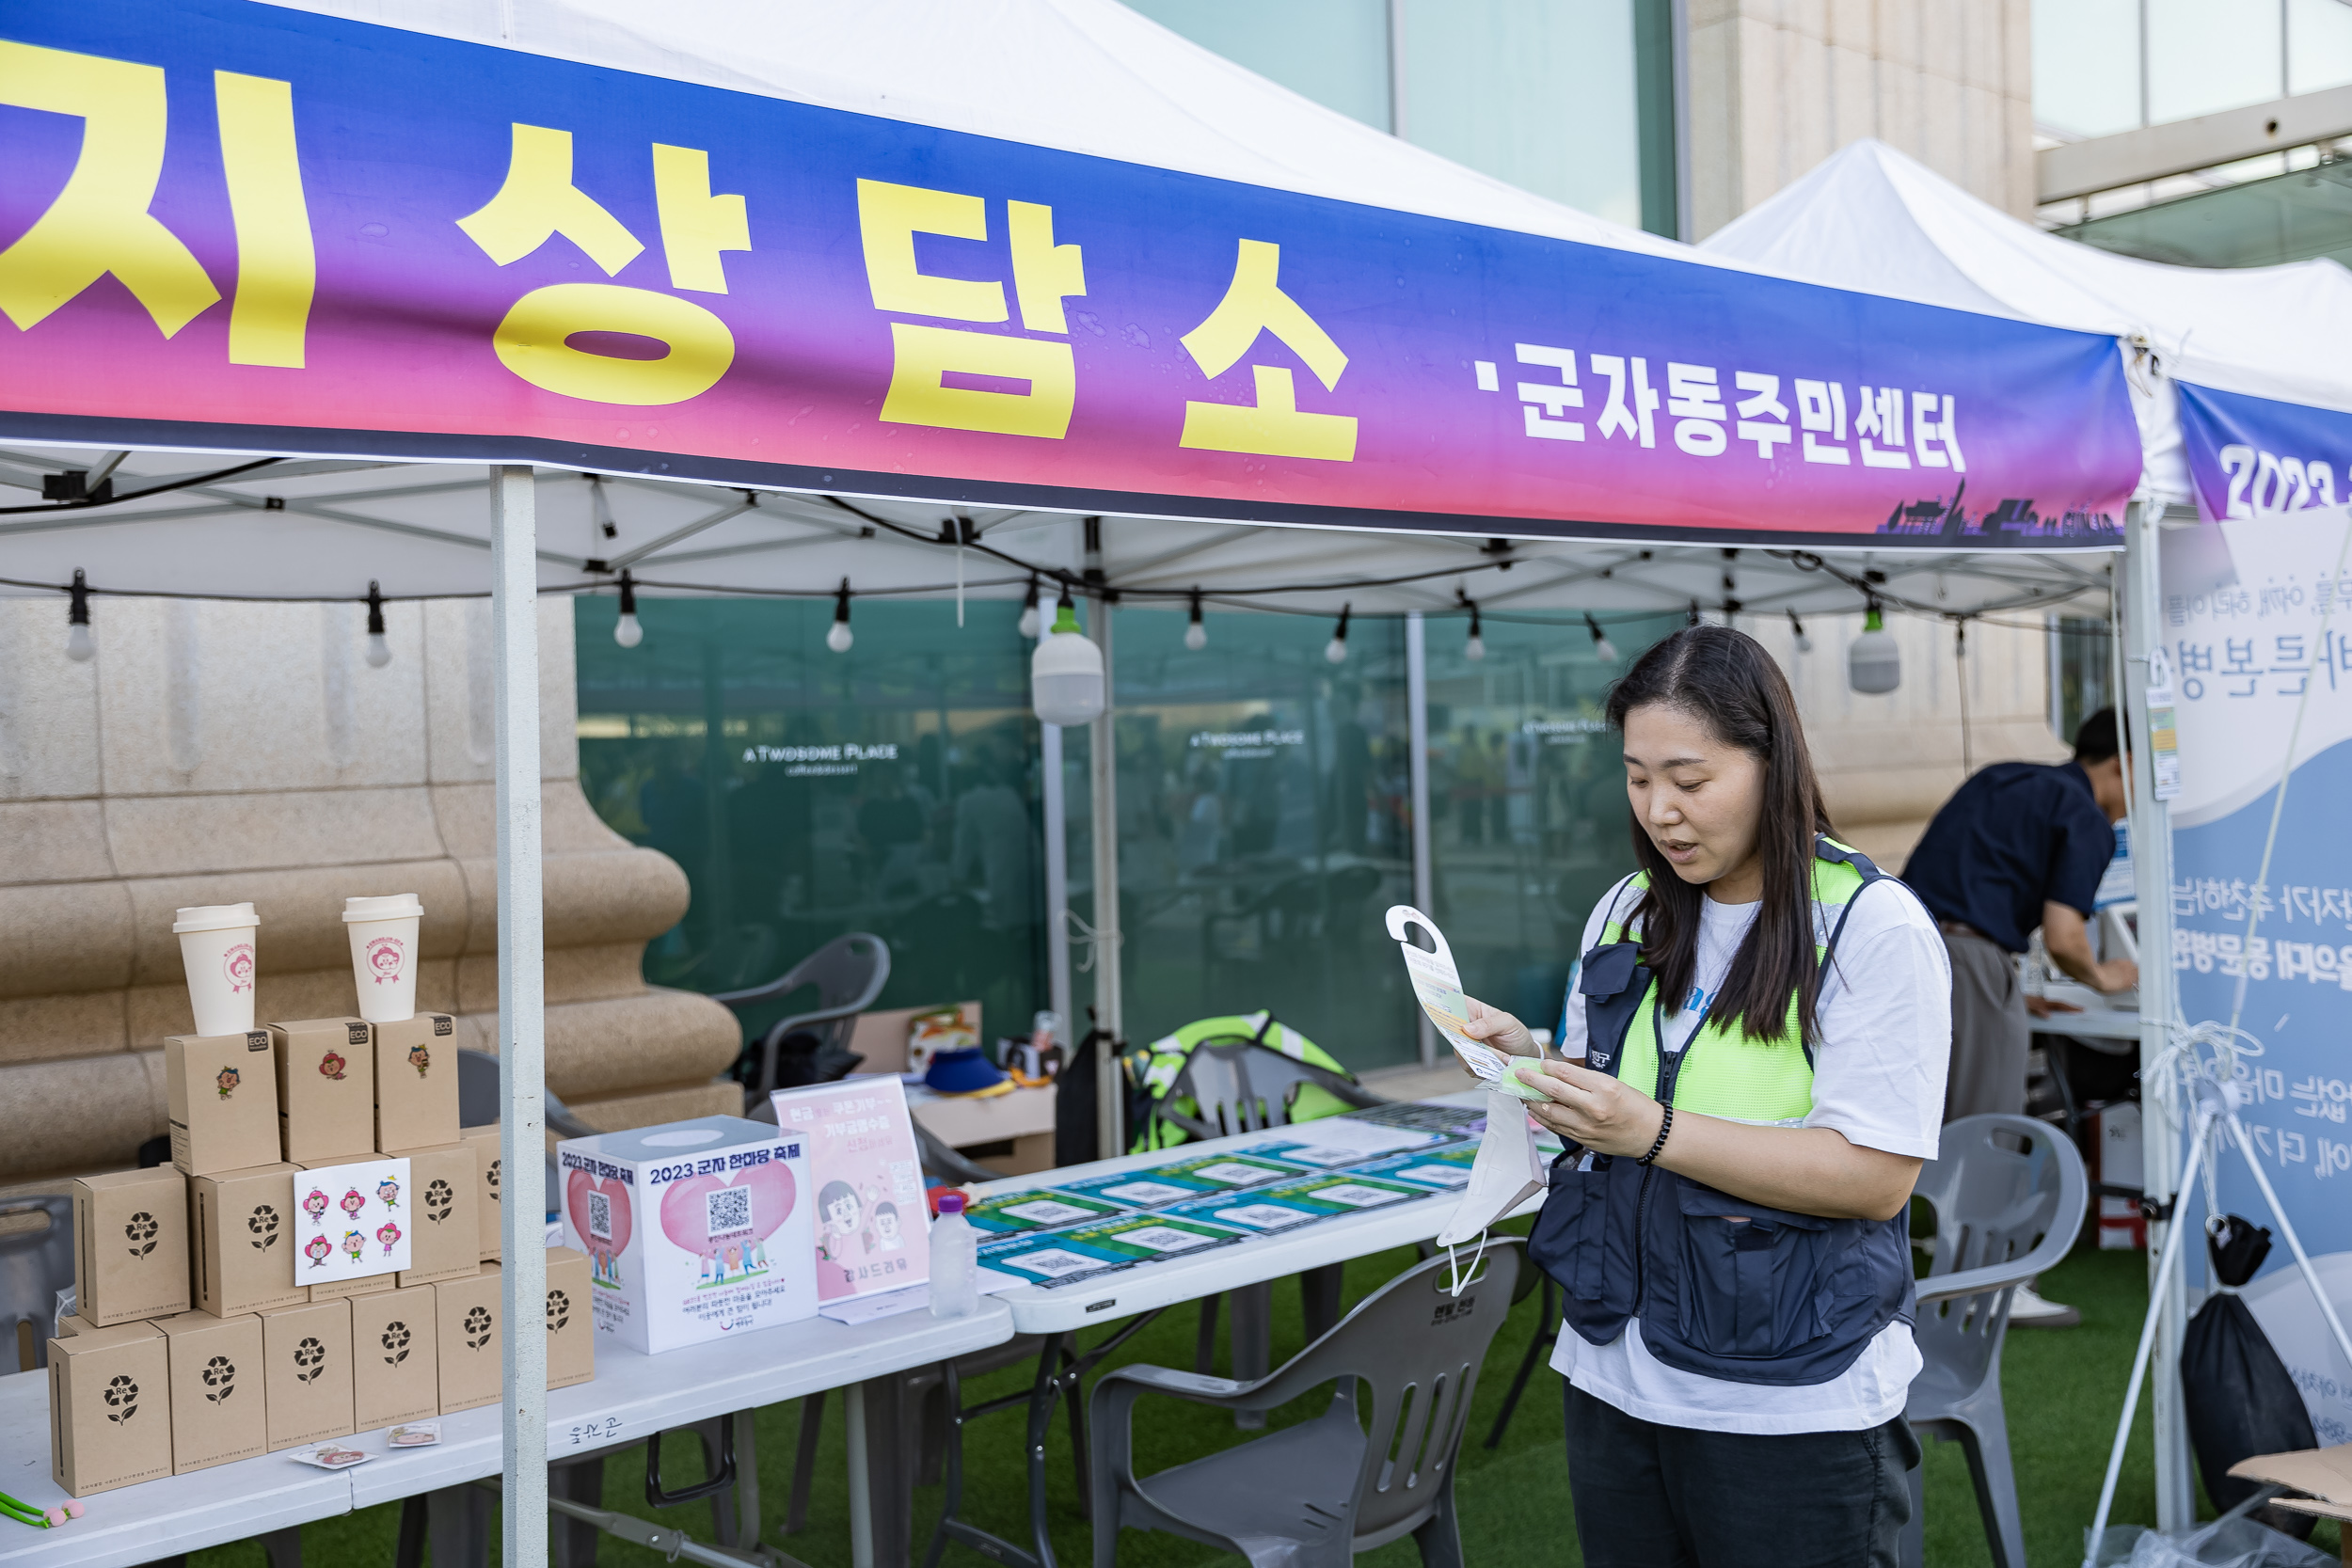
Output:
x=1080 y=75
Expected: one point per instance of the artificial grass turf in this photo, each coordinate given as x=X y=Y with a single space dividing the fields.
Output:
x=2064 y=1388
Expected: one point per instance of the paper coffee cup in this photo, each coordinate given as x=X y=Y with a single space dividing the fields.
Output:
x=216 y=950
x=383 y=955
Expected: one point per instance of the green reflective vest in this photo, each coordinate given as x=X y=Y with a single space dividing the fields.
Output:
x=1164 y=1058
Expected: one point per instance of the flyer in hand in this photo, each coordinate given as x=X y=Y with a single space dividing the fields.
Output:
x=1438 y=984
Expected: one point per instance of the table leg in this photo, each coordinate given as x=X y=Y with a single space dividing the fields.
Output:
x=580 y=1481
x=1252 y=1342
x=861 y=1488
x=746 y=1481
x=457 y=1524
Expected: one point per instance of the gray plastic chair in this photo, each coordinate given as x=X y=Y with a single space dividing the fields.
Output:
x=2009 y=1195
x=35 y=1262
x=848 y=972
x=1313 y=1495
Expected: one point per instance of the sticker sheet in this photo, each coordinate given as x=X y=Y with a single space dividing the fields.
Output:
x=354 y=1220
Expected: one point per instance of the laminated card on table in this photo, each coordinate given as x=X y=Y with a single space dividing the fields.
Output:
x=1438 y=1169
x=1179 y=1180
x=1038 y=1208
x=1091 y=1251
x=1289 y=1204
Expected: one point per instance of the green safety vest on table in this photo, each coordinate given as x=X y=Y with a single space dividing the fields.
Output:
x=1152 y=1071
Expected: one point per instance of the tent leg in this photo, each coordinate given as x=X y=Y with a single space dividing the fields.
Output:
x=1108 y=1006
x=2139 y=606
x=523 y=1039
x=1417 y=740
x=1057 y=883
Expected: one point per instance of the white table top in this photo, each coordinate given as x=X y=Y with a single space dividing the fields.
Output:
x=1037 y=1309
x=632 y=1397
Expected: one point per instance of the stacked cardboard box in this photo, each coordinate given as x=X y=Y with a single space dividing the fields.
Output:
x=193 y=1342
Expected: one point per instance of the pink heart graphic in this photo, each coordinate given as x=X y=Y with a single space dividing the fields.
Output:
x=686 y=1207
x=577 y=1186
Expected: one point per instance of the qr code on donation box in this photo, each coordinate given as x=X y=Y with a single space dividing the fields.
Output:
x=600 y=1216
x=727 y=1211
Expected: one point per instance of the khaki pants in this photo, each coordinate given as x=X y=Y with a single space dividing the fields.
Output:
x=1991 y=1030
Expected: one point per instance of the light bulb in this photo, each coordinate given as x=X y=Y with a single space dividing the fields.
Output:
x=628 y=631
x=1804 y=643
x=1335 y=651
x=1029 y=612
x=379 y=651
x=79 y=646
x=1475 y=649
x=1874 y=660
x=1196 y=637
x=1607 y=650
x=839 y=637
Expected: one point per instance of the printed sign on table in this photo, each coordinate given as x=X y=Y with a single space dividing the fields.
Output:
x=1038 y=1208
x=872 y=1218
x=1091 y=1251
x=1439 y=1169
x=1183 y=1179
x=1296 y=1203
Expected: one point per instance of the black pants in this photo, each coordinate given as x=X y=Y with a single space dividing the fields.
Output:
x=1660 y=1497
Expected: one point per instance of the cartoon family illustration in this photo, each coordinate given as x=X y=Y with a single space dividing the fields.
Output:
x=721 y=1265
x=604 y=1267
x=850 y=1228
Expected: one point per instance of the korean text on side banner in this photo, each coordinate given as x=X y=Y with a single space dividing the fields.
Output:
x=230 y=225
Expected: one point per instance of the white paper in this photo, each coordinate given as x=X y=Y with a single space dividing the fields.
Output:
x=353 y=1220
x=1506 y=1173
x=1438 y=984
x=866 y=1309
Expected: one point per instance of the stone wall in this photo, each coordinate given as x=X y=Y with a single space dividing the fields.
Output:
x=214 y=753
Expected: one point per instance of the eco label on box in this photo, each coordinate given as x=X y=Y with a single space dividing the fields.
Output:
x=692 y=1230
x=1042 y=1209
x=355 y=1220
x=871 y=1220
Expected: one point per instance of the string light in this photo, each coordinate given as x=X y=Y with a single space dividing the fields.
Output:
x=1874 y=662
x=1603 y=649
x=1195 y=634
x=1335 y=651
x=1028 y=609
x=1804 y=643
x=379 y=649
x=627 y=631
x=1475 y=649
x=839 y=637
x=1066 y=672
x=79 y=644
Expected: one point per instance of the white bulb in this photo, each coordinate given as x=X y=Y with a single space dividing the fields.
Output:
x=79 y=646
x=1606 y=649
x=1804 y=643
x=1028 y=620
x=627 y=631
x=1066 y=679
x=839 y=638
x=1196 y=637
x=1336 y=650
x=1874 y=663
x=379 y=651
x=1475 y=649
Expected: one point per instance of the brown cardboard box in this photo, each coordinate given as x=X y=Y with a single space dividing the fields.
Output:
x=396 y=1368
x=325 y=1090
x=468 y=1310
x=110 y=1409
x=245 y=1233
x=130 y=1246
x=70 y=1323
x=305 y=1356
x=484 y=1143
x=222 y=1091
x=444 y=1223
x=368 y=1285
x=218 y=1412
x=571 y=1326
x=416 y=1082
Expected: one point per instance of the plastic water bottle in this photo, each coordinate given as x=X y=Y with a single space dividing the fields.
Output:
x=955 y=1261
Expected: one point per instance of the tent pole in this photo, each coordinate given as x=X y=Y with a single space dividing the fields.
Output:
x=522 y=1040
x=1108 y=1008
x=1417 y=739
x=2140 y=607
x=1056 y=881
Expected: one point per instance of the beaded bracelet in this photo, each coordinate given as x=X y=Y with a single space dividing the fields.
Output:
x=1665 y=1125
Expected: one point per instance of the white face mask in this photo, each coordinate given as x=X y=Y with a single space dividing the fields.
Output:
x=1506 y=1174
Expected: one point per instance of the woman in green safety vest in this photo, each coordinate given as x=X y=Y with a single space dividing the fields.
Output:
x=1754 y=1059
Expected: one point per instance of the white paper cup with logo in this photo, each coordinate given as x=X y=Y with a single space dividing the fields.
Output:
x=383 y=955
x=216 y=950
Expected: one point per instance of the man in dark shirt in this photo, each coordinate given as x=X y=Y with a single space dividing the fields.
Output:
x=2019 y=845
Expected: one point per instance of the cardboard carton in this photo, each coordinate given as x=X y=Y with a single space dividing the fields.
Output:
x=416 y=1082
x=218 y=1411
x=70 y=1323
x=325 y=1090
x=222 y=1092
x=110 y=1409
x=130 y=1246
x=467 y=1314
x=484 y=1143
x=305 y=1361
x=444 y=1214
x=571 y=1319
x=245 y=1240
x=693 y=1229
x=396 y=1368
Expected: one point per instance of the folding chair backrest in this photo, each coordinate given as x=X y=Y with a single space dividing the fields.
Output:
x=1238 y=1086
x=35 y=1262
x=1996 y=1186
x=1416 y=1352
x=842 y=971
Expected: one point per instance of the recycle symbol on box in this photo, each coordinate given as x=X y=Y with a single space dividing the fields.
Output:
x=220 y=1374
x=478 y=1329
x=263 y=1222
x=310 y=1360
x=559 y=1309
x=122 y=1395
x=141 y=1233
x=396 y=1337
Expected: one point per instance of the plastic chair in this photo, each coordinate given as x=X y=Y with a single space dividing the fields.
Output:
x=1314 y=1494
x=35 y=1262
x=2009 y=1196
x=848 y=971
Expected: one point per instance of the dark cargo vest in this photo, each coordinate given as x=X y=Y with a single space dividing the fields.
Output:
x=1724 y=1286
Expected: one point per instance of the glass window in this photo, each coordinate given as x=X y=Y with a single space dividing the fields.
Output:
x=1544 y=97
x=2086 y=65
x=2319 y=44
x=1264 y=827
x=1335 y=52
x=2204 y=57
x=2082 y=671
x=1528 y=817
x=807 y=794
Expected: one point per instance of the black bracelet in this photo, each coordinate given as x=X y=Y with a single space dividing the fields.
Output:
x=1665 y=1125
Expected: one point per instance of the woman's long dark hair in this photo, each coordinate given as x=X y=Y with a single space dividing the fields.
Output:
x=1727 y=682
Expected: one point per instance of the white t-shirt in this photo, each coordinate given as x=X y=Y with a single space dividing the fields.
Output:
x=1885 y=1017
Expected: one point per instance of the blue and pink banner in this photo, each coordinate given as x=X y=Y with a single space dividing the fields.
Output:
x=2257 y=457
x=231 y=226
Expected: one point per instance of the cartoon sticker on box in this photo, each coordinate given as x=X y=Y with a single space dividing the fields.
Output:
x=725 y=1225
x=316 y=1206
x=600 y=1215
